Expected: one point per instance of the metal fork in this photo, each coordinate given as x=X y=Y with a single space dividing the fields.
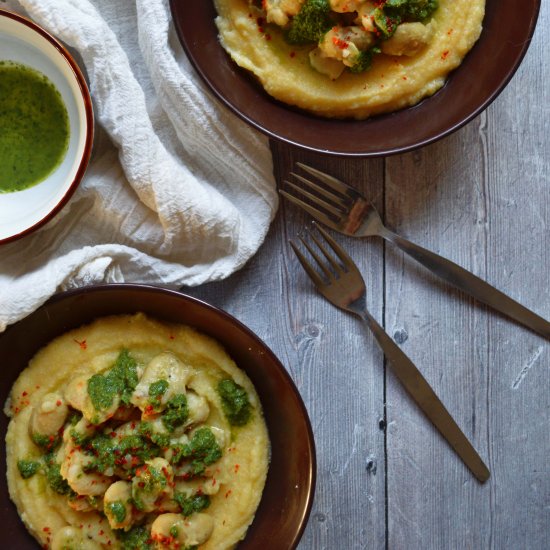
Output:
x=341 y=283
x=341 y=207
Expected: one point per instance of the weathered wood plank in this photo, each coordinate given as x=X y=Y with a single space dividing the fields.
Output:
x=481 y=198
x=335 y=364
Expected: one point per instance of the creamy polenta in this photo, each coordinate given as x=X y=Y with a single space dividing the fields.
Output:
x=135 y=434
x=364 y=58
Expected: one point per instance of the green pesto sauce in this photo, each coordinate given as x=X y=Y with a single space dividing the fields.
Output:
x=27 y=468
x=202 y=451
x=192 y=504
x=120 y=380
x=34 y=125
x=176 y=412
x=235 y=403
x=117 y=510
x=137 y=538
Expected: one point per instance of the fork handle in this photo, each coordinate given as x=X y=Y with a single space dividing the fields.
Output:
x=470 y=283
x=427 y=400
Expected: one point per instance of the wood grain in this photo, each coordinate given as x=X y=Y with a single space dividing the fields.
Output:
x=481 y=197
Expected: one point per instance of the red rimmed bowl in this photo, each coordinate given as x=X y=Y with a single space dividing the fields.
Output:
x=24 y=42
x=287 y=498
x=488 y=67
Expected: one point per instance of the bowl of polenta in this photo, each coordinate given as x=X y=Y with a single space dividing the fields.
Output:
x=139 y=418
x=46 y=119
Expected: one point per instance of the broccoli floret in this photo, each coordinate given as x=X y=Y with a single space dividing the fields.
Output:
x=311 y=23
x=411 y=10
x=364 y=60
x=385 y=22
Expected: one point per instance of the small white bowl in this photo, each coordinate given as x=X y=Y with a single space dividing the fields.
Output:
x=23 y=41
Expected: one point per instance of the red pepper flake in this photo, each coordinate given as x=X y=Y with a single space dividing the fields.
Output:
x=213 y=481
x=101 y=532
x=46 y=529
x=237 y=466
x=24 y=394
x=268 y=37
x=58 y=403
x=450 y=31
x=16 y=410
x=171 y=335
x=113 y=434
x=404 y=77
x=445 y=54
x=292 y=54
x=342 y=44
x=82 y=344
x=228 y=493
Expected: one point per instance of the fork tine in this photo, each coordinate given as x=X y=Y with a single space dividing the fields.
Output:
x=331 y=181
x=346 y=260
x=322 y=264
x=336 y=266
x=330 y=195
x=339 y=212
x=314 y=276
x=317 y=214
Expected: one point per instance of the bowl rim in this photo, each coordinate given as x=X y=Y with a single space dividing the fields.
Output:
x=89 y=117
x=195 y=33
x=69 y=295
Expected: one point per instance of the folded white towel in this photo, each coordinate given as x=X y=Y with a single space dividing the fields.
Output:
x=179 y=190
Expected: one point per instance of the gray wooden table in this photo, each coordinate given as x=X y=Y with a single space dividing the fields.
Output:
x=386 y=479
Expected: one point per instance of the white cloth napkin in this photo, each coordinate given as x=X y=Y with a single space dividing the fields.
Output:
x=179 y=190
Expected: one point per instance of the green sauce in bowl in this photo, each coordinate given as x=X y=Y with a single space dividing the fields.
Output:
x=34 y=127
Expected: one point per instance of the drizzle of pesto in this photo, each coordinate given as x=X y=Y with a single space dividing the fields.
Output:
x=203 y=450
x=46 y=442
x=176 y=412
x=156 y=391
x=137 y=538
x=121 y=379
x=54 y=477
x=192 y=504
x=27 y=468
x=235 y=403
x=117 y=510
x=34 y=125
x=106 y=450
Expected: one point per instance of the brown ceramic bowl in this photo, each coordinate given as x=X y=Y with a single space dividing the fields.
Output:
x=508 y=28
x=288 y=495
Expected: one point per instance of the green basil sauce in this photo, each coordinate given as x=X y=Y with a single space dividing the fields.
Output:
x=192 y=504
x=117 y=510
x=34 y=125
x=120 y=380
x=27 y=468
x=235 y=403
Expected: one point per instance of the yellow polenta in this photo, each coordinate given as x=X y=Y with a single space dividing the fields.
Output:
x=391 y=83
x=123 y=431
